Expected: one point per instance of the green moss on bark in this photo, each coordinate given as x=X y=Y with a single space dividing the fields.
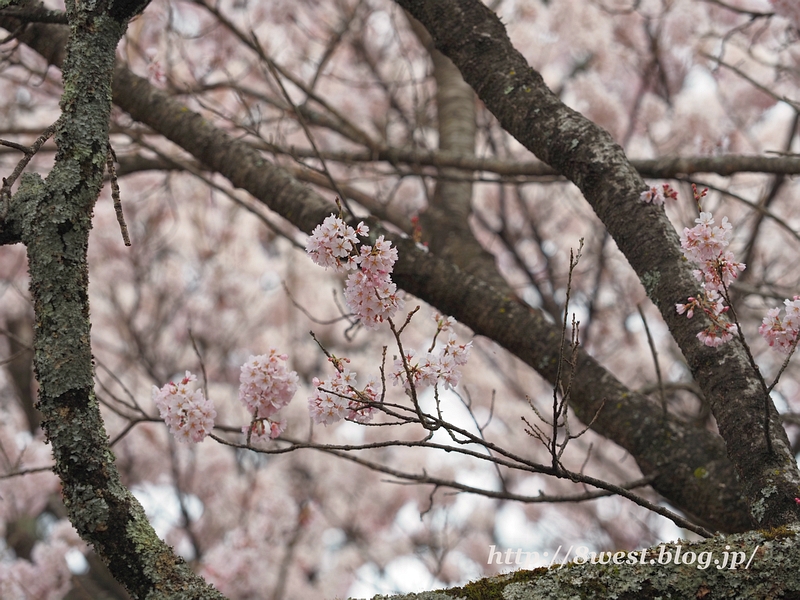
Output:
x=771 y=573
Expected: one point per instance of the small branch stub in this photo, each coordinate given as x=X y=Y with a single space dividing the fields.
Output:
x=112 y=173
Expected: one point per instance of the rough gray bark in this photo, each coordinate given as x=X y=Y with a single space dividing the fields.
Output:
x=52 y=217
x=771 y=573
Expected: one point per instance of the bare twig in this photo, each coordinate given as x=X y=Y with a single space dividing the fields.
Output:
x=112 y=174
x=654 y=354
x=8 y=182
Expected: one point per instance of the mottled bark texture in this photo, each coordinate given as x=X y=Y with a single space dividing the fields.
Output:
x=473 y=37
x=52 y=217
x=692 y=470
x=767 y=570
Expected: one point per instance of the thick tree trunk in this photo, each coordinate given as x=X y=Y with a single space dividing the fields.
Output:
x=52 y=217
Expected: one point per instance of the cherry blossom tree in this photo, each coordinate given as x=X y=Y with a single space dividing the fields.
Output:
x=554 y=259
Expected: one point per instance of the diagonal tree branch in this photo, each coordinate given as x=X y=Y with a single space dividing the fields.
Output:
x=672 y=449
x=675 y=452
x=682 y=570
x=473 y=37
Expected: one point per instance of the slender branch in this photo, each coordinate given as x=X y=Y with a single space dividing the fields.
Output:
x=116 y=196
x=654 y=354
x=8 y=182
x=346 y=453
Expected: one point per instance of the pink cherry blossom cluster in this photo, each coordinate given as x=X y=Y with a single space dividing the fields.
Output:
x=658 y=196
x=433 y=367
x=369 y=292
x=706 y=245
x=339 y=397
x=188 y=413
x=266 y=386
x=781 y=334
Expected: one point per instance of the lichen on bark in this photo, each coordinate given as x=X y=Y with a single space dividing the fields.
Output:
x=53 y=217
x=767 y=572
